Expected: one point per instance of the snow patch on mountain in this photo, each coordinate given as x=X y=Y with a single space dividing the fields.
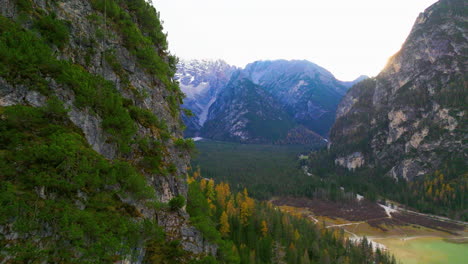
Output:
x=201 y=81
x=192 y=91
x=206 y=109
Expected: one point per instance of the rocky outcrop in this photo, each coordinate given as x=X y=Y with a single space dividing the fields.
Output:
x=193 y=240
x=410 y=120
x=351 y=162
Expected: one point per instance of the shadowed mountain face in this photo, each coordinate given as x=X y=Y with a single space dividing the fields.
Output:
x=411 y=119
x=309 y=93
x=304 y=95
x=245 y=112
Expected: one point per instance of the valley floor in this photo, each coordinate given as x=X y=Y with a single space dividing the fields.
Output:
x=269 y=171
x=425 y=250
x=414 y=238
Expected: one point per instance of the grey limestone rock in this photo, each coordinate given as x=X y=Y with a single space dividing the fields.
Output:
x=416 y=106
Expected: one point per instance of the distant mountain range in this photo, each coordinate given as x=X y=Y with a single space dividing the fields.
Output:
x=282 y=102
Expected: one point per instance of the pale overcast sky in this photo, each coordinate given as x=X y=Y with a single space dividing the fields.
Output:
x=347 y=37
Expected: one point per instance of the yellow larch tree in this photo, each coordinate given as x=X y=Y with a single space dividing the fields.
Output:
x=197 y=173
x=222 y=193
x=244 y=213
x=230 y=208
x=239 y=199
x=211 y=205
x=203 y=183
x=246 y=194
x=292 y=246
x=224 y=222
x=210 y=190
x=296 y=235
x=246 y=210
x=264 y=228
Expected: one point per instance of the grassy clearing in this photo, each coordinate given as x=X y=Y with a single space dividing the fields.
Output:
x=426 y=250
x=411 y=244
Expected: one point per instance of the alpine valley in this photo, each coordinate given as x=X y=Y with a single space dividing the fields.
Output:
x=395 y=166
x=98 y=164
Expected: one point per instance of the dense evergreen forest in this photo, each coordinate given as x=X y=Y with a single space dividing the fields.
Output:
x=269 y=171
x=266 y=170
x=441 y=193
x=250 y=232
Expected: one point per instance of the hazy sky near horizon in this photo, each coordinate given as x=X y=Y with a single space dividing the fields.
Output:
x=348 y=38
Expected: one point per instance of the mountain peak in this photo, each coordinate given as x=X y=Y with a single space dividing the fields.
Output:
x=257 y=69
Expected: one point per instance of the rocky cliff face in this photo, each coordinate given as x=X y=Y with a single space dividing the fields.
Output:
x=107 y=63
x=201 y=81
x=411 y=119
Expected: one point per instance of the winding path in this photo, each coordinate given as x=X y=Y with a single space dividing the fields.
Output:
x=404 y=236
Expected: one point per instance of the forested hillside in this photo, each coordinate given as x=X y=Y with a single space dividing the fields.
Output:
x=257 y=232
x=91 y=147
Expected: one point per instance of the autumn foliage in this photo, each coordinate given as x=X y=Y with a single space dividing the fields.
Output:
x=248 y=231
